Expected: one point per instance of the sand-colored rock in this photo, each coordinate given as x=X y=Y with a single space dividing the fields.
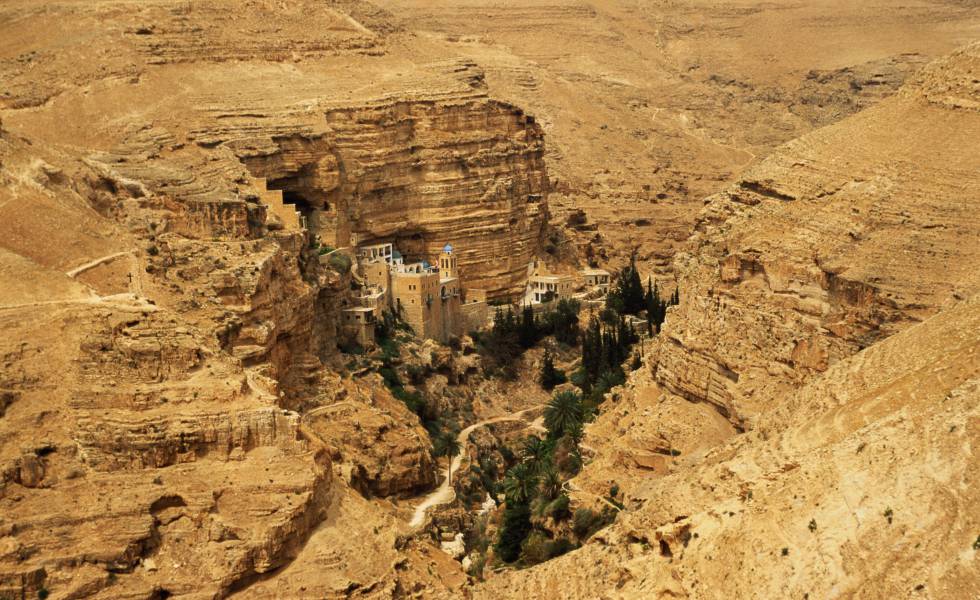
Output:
x=876 y=452
x=857 y=383
x=838 y=240
x=173 y=421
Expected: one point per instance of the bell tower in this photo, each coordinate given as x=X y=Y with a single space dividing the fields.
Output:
x=447 y=263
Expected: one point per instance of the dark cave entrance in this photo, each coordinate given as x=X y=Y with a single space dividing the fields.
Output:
x=304 y=206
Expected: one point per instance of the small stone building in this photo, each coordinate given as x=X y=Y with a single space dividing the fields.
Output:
x=544 y=288
x=596 y=279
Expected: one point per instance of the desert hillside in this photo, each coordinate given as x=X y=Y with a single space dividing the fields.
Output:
x=830 y=315
x=211 y=386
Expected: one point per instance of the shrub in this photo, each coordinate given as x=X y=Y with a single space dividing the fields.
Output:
x=563 y=321
x=576 y=218
x=536 y=548
x=476 y=567
x=813 y=525
x=350 y=347
x=390 y=350
x=558 y=509
x=340 y=263
x=550 y=376
x=579 y=378
x=390 y=376
x=587 y=521
x=413 y=400
x=416 y=374
x=560 y=546
x=476 y=538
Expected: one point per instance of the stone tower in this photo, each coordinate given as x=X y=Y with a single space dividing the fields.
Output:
x=447 y=263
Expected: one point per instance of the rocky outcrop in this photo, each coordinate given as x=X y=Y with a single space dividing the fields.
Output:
x=839 y=240
x=148 y=431
x=377 y=442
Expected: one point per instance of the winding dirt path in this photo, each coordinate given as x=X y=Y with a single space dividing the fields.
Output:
x=445 y=493
x=92 y=264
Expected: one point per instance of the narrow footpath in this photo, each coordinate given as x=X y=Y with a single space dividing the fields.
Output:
x=445 y=493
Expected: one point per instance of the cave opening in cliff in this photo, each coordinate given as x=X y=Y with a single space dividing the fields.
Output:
x=296 y=199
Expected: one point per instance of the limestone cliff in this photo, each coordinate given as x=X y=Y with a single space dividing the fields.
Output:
x=838 y=240
x=460 y=169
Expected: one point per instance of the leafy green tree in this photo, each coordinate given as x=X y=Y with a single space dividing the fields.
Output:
x=592 y=352
x=550 y=482
x=501 y=346
x=515 y=528
x=559 y=508
x=563 y=412
x=527 y=331
x=453 y=448
x=627 y=297
x=447 y=444
x=656 y=307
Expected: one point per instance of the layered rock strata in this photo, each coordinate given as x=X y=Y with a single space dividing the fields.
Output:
x=466 y=171
x=837 y=241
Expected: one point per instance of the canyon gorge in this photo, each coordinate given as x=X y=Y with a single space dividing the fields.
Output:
x=184 y=190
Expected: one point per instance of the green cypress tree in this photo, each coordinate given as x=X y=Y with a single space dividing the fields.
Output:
x=550 y=376
x=632 y=290
x=527 y=333
x=592 y=351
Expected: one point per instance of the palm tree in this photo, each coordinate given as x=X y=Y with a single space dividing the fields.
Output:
x=535 y=450
x=453 y=447
x=519 y=484
x=446 y=444
x=576 y=433
x=563 y=412
x=550 y=481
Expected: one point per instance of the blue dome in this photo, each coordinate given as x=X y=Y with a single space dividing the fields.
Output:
x=448 y=249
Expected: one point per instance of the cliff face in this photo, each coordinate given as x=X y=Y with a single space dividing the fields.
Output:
x=470 y=173
x=840 y=239
x=160 y=381
x=461 y=169
x=829 y=306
